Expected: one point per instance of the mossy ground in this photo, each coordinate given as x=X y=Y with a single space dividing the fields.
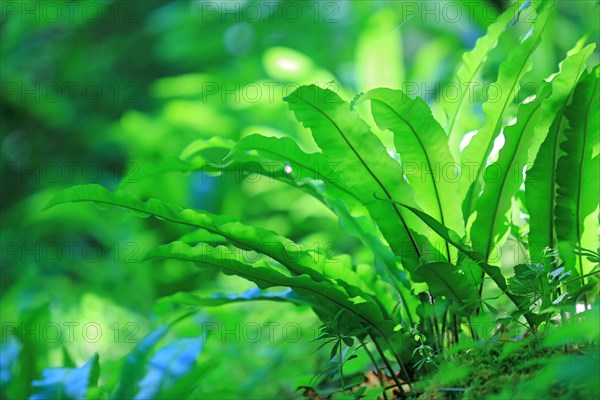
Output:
x=517 y=370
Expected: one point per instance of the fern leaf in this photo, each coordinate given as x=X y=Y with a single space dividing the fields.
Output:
x=457 y=111
x=577 y=173
x=423 y=148
x=365 y=166
x=540 y=183
x=511 y=71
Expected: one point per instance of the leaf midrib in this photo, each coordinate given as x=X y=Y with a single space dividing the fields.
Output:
x=499 y=120
x=433 y=179
x=581 y=162
x=183 y=222
x=372 y=324
x=317 y=173
x=488 y=49
x=379 y=183
x=555 y=147
x=496 y=204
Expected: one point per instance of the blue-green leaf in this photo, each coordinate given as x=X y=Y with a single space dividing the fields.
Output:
x=219 y=299
x=10 y=349
x=169 y=365
x=67 y=383
x=134 y=365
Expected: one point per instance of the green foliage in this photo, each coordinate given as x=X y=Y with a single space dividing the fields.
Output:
x=387 y=215
x=510 y=73
x=423 y=148
x=577 y=171
x=458 y=112
x=346 y=140
x=540 y=183
x=445 y=279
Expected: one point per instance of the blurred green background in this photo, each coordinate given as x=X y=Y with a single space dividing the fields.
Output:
x=94 y=91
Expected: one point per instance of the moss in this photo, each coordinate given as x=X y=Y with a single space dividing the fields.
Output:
x=516 y=370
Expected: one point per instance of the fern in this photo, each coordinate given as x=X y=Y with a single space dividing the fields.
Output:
x=430 y=227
